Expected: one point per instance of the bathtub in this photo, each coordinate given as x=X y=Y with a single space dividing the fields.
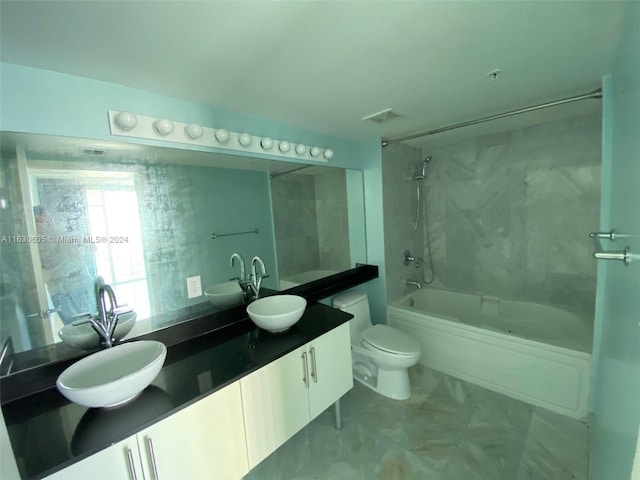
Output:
x=540 y=354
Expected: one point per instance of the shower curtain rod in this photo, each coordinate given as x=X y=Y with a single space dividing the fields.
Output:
x=595 y=94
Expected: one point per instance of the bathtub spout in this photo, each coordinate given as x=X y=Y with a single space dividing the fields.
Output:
x=414 y=283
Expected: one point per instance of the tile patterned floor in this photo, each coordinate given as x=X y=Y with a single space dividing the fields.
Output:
x=448 y=430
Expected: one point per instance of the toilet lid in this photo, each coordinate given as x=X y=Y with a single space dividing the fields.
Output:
x=390 y=340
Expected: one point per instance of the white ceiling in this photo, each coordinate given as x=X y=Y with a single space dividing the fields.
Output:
x=323 y=65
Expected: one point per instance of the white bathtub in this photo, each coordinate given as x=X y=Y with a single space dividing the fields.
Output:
x=536 y=353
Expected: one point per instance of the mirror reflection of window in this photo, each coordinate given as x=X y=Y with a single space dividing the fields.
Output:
x=92 y=226
x=113 y=215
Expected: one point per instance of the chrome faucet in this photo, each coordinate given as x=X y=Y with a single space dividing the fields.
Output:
x=414 y=283
x=255 y=280
x=243 y=280
x=106 y=319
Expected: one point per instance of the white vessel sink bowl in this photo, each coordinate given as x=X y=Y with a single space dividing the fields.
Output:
x=85 y=337
x=277 y=313
x=113 y=376
x=224 y=294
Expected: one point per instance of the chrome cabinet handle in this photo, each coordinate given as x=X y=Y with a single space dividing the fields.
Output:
x=153 y=459
x=305 y=370
x=132 y=466
x=314 y=370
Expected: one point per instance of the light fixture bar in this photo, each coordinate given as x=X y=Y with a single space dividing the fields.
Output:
x=127 y=124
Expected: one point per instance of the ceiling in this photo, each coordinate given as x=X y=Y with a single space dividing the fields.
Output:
x=323 y=65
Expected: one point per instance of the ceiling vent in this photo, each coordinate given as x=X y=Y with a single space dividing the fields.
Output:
x=383 y=116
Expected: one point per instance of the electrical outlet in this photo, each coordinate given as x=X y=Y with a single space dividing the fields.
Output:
x=194 y=287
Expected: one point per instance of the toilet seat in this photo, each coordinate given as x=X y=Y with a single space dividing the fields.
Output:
x=390 y=340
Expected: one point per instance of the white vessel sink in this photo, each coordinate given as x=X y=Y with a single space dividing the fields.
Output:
x=277 y=313
x=85 y=337
x=114 y=376
x=224 y=294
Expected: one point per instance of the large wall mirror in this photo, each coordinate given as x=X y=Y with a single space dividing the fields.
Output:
x=147 y=218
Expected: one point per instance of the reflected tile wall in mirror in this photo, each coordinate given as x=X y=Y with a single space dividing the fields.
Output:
x=311 y=224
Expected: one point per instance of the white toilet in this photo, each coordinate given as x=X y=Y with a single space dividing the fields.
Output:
x=381 y=354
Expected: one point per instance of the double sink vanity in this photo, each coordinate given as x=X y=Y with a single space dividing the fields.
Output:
x=229 y=394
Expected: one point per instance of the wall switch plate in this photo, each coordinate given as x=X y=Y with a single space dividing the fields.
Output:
x=194 y=287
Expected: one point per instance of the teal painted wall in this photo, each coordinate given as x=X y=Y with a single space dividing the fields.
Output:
x=616 y=378
x=42 y=101
x=45 y=102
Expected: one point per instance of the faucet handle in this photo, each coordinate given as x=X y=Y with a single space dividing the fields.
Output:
x=82 y=318
x=122 y=309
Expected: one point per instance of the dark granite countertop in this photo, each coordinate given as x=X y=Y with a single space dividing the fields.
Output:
x=48 y=432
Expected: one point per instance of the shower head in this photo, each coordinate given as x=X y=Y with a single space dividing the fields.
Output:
x=423 y=174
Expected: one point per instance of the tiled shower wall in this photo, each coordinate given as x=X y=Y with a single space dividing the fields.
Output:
x=311 y=222
x=399 y=165
x=509 y=215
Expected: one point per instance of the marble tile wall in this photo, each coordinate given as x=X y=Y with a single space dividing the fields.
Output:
x=399 y=165
x=333 y=220
x=296 y=224
x=509 y=214
x=311 y=222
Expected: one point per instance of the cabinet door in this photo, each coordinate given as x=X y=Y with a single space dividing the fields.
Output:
x=275 y=404
x=121 y=461
x=205 y=440
x=330 y=368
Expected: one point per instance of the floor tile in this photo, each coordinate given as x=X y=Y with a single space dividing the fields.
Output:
x=448 y=430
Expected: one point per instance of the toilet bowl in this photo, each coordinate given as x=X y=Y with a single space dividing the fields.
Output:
x=381 y=355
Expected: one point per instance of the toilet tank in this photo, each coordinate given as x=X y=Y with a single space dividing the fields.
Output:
x=357 y=304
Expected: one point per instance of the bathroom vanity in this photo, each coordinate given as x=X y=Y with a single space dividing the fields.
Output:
x=223 y=402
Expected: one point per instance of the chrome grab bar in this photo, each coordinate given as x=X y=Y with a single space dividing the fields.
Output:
x=624 y=255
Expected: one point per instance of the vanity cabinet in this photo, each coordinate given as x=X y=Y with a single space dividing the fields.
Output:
x=204 y=440
x=117 y=461
x=281 y=398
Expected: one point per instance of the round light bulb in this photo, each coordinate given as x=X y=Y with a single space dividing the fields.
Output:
x=301 y=149
x=266 y=143
x=328 y=153
x=163 y=126
x=245 y=139
x=284 y=146
x=126 y=120
x=222 y=135
x=194 y=131
x=315 y=151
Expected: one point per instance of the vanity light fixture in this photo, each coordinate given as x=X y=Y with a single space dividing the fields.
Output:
x=126 y=124
x=266 y=143
x=245 y=139
x=222 y=135
x=284 y=146
x=163 y=126
x=126 y=120
x=194 y=131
